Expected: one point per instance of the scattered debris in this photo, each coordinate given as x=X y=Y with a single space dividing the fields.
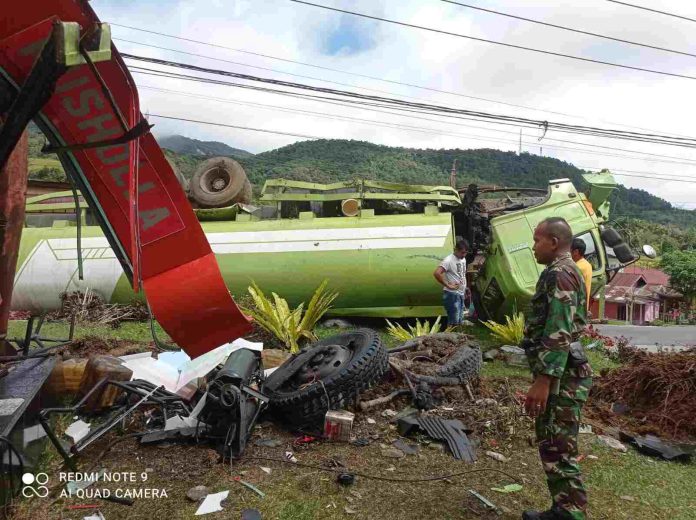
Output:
x=345 y=479
x=370 y=420
x=510 y=488
x=212 y=503
x=289 y=456
x=497 y=456
x=361 y=442
x=408 y=449
x=453 y=432
x=486 y=402
x=514 y=355
x=612 y=443
x=585 y=429
x=619 y=408
x=656 y=447
x=392 y=453
x=349 y=510
x=96 y=516
x=77 y=430
x=389 y=413
x=268 y=443
x=487 y=503
x=265 y=470
x=250 y=486
x=337 y=323
x=338 y=425
x=491 y=354
x=251 y=514
x=628 y=498
x=197 y=493
x=593 y=457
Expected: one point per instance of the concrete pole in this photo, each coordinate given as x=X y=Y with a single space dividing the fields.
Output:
x=13 y=190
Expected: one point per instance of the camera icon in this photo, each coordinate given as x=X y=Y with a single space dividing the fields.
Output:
x=35 y=485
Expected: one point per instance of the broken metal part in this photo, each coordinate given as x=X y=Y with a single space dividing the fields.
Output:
x=453 y=432
x=232 y=406
x=489 y=505
x=175 y=435
x=656 y=447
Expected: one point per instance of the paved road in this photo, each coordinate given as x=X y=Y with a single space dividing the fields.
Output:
x=677 y=335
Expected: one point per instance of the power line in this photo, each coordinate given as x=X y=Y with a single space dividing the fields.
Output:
x=653 y=10
x=571 y=29
x=303 y=136
x=384 y=80
x=495 y=42
x=398 y=125
x=680 y=159
x=630 y=173
x=512 y=120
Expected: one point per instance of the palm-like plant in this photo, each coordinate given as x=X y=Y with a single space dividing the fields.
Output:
x=421 y=329
x=511 y=332
x=290 y=326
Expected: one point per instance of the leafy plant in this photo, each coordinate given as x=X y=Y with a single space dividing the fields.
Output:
x=290 y=326
x=511 y=332
x=421 y=329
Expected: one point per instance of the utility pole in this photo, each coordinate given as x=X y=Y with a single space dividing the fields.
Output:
x=520 y=149
x=453 y=175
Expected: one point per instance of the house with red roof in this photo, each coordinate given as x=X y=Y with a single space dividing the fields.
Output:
x=637 y=295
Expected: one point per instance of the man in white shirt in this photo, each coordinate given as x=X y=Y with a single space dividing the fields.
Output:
x=451 y=274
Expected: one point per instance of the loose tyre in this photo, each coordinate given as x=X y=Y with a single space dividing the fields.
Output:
x=219 y=182
x=329 y=374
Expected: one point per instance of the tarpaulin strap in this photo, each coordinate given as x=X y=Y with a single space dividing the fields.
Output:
x=139 y=130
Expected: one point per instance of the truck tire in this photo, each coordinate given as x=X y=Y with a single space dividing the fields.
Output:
x=464 y=364
x=338 y=368
x=219 y=182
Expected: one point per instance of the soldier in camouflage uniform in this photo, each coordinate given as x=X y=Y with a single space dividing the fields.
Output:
x=562 y=374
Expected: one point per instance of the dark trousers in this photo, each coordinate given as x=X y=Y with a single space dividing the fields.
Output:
x=454 y=305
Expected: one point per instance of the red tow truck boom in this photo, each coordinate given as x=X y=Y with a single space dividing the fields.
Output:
x=59 y=68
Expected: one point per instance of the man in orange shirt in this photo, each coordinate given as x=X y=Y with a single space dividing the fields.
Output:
x=577 y=252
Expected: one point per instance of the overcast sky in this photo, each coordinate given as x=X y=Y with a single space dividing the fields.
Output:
x=592 y=94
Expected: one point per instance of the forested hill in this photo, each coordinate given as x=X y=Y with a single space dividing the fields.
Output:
x=330 y=160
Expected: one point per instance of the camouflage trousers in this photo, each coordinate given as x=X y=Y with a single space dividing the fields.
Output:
x=557 y=437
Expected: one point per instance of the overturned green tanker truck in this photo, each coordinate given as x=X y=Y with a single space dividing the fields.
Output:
x=377 y=243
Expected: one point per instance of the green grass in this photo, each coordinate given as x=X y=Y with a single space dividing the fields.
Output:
x=38 y=163
x=661 y=489
x=129 y=331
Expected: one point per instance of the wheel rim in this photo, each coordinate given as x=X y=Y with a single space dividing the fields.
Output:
x=215 y=180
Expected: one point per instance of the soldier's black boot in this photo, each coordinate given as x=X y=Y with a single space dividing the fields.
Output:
x=551 y=514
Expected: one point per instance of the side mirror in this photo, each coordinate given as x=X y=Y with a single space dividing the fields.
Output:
x=649 y=251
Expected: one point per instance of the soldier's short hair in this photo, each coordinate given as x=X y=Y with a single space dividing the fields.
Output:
x=580 y=245
x=559 y=229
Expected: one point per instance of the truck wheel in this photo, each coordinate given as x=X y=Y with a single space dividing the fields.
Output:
x=336 y=369
x=218 y=182
x=464 y=364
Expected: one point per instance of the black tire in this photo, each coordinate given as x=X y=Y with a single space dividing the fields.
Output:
x=218 y=182
x=464 y=364
x=301 y=402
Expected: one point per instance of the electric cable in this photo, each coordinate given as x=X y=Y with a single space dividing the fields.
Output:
x=571 y=29
x=370 y=476
x=654 y=10
x=375 y=78
x=561 y=127
x=495 y=42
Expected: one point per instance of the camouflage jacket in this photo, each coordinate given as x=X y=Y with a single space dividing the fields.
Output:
x=558 y=316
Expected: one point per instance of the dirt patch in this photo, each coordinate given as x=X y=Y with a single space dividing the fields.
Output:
x=90 y=307
x=658 y=389
x=93 y=345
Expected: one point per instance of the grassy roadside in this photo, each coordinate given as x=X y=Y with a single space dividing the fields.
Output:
x=621 y=486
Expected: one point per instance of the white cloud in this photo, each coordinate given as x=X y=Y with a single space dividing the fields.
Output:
x=603 y=95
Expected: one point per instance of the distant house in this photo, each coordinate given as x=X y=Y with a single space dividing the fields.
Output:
x=638 y=295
